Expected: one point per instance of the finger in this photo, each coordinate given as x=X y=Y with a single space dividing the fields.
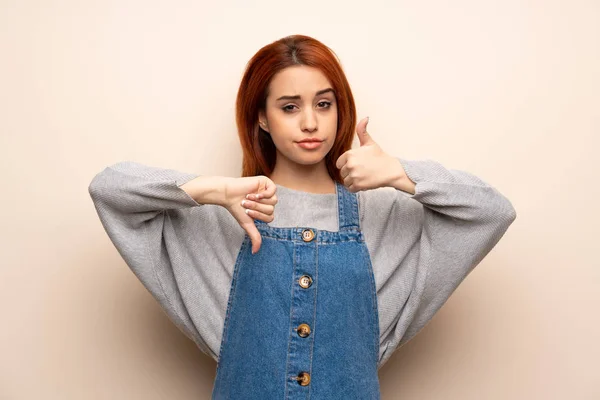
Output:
x=341 y=161
x=270 y=200
x=269 y=190
x=257 y=206
x=350 y=184
x=258 y=215
x=361 y=130
x=344 y=171
x=267 y=200
x=361 y=127
x=266 y=188
x=254 y=235
x=348 y=181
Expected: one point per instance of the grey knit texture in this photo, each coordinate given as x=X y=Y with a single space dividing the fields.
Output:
x=422 y=246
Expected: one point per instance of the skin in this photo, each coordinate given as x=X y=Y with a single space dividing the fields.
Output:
x=312 y=113
x=290 y=120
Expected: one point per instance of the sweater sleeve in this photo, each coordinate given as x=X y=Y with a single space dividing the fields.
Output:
x=131 y=200
x=463 y=219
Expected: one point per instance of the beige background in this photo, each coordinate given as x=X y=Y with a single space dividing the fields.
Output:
x=508 y=90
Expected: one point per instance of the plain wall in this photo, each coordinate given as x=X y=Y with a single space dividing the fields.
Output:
x=507 y=90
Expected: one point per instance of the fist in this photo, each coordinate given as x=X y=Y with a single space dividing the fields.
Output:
x=251 y=198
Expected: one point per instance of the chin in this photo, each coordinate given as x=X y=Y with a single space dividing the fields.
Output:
x=305 y=157
x=309 y=160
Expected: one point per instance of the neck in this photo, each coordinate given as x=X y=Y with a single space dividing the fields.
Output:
x=305 y=178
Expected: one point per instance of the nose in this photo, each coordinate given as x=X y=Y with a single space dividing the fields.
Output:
x=309 y=121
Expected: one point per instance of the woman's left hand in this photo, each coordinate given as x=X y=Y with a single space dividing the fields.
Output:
x=368 y=167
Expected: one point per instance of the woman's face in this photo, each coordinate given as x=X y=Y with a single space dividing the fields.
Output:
x=301 y=105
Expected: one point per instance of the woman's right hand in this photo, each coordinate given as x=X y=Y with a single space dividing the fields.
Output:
x=249 y=198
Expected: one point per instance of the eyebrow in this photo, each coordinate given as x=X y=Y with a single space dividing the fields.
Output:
x=297 y=97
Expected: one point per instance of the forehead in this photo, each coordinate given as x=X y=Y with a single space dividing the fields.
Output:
x=298 y=80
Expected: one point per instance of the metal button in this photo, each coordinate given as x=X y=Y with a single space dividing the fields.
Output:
x=308 y=235
x=303 y=378
x=305 y=281
x=303 y=330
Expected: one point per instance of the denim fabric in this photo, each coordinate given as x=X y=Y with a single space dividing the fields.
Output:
x=261 y=352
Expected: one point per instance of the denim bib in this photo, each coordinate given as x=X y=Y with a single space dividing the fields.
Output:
x=302 y=319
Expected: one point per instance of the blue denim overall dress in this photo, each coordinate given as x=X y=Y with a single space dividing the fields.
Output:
x=302 y=319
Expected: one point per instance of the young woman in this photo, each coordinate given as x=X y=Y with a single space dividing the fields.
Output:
x=301 y=277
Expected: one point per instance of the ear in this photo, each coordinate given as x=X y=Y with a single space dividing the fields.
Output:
x=262 y=121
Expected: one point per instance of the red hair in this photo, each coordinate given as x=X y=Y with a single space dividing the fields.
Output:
x=259 y=153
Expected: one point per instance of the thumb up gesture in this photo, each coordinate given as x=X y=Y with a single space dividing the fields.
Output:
x=368 y=166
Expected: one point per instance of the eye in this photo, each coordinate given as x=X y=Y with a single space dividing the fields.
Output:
x=286 y=109
x=326 y=104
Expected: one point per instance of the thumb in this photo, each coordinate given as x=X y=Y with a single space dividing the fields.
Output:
x=254 y=235
x=361 y=131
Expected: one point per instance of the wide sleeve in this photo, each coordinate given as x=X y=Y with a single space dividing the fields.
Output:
x=131 y=200
x=463 y=219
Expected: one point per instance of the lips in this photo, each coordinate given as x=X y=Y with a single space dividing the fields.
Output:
x=310 y=140
x=310 y=144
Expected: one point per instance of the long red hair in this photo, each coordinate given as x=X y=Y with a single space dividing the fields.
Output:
x=259 y=153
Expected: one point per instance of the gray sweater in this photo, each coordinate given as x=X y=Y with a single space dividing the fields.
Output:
x=422 y=246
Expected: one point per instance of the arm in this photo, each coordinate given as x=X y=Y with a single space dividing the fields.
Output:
x=463 y=219
x=131 y=200
x=142 y=191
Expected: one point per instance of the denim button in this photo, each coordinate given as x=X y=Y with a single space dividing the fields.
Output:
x=303 y=330
x=305 y=281
x=308 y=235
x=303 y=378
